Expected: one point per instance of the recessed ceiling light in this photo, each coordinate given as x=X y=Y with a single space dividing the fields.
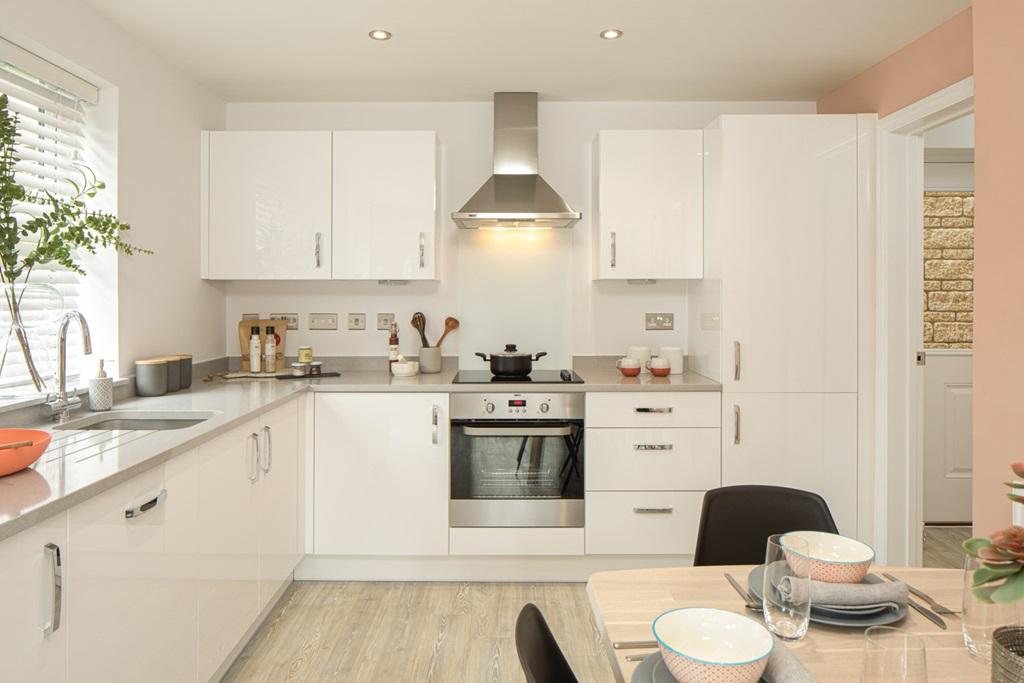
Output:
x=380 y=34
x=611 y=34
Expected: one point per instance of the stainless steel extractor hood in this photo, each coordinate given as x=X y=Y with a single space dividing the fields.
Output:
x=516 y=196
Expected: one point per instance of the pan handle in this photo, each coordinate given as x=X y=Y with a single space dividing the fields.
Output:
x=487 y=359
x=538 y=356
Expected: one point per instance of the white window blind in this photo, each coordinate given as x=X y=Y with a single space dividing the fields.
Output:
x=51 y=144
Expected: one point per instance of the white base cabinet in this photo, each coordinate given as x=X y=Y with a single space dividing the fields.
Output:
x=382 y=474
x=30 y=600
x=279 y=504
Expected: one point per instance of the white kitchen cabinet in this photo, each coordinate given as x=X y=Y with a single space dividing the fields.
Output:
x=132 y=579
x=801 y=440
x=385 y=205
x=781 y=214
x=649 y=222
x=30 y=599
x=642 y=522
x=266 y=205
x=229 y=475
x=278 y=494
x=653 y=459
x=382 y=474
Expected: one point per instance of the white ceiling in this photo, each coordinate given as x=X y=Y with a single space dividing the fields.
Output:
x=308 y=50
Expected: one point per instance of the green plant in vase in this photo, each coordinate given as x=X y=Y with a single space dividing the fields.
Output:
x=57 y=229
x=1001 y=575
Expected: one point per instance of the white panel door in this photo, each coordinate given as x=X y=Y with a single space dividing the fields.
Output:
x=382 y=474
x=29 y=599
x=278 y=494
x=948 y=399
x=269 y=205
x=385 y=205
x=228 y=544
x=787 y=218
x=131 y=582
x=650 y=204
x=803 y=441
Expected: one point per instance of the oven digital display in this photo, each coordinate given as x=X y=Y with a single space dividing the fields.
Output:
x=517 y=403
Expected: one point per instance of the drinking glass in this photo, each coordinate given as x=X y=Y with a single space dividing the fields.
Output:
x=979 y=619
x=892 y=655
x=787 y=594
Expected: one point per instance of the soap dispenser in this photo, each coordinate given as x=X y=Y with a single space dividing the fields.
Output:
x=101 y=390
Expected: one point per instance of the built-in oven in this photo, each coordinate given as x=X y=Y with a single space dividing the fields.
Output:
x=516 y=460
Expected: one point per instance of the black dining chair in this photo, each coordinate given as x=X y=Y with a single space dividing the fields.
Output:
x=539 y=654
x=736 y=521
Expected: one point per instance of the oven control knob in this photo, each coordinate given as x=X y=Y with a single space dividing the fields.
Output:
x=489 y=407
x=544 y=407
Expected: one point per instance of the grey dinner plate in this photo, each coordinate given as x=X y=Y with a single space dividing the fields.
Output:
x=653 y=670
x=852 y=618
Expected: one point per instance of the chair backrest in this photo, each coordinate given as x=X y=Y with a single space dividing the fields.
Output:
x=736 y=521
x=539 y=654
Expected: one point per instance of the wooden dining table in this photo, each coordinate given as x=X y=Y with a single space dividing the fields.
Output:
x=625 y=603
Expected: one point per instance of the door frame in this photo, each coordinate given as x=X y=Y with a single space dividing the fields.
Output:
x=899 y=471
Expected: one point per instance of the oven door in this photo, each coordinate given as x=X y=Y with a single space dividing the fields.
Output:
x=516 y=473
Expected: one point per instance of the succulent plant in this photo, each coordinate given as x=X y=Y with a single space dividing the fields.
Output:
x=1001 y=575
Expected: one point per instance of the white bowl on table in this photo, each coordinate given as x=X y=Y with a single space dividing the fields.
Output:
x=830 y=557
x=705 y=645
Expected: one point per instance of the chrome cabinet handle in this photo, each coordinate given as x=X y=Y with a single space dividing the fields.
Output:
x=652 y=446
x=435 y=422
x=614 y=249
x=643 y=510
x=255 y=468
x=652 y=410
x=423 y=249
x=736 y=424
x=736 y=360
x=52 y=551
x=270 y=449
x=132 y=513
x=316 y=248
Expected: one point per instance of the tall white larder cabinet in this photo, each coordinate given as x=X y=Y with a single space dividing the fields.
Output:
x=781 y=226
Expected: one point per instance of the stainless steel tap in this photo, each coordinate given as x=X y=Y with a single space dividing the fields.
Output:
x=62 y=405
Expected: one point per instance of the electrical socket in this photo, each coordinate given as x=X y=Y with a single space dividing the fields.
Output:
x=323 y=321
x=659 y=321
x=357 y=321
x=385 y=320
x=292 y=318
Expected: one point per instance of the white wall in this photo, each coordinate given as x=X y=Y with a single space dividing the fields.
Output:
x=162 y=305
x=602 y=318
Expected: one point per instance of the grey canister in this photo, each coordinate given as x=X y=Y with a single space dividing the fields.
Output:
x=186 y=370
x=151 y=377
x=430 y=360
x=173 y=372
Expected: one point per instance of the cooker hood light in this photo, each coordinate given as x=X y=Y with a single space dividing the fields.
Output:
x=515 y=197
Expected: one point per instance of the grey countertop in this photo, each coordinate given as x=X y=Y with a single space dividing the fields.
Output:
x=82 y=464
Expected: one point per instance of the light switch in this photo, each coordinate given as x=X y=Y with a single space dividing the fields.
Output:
x=250 y=316
x=710 y=321
x=323 y=321
x=384 y=320
x=659 y=321
x=357 y=321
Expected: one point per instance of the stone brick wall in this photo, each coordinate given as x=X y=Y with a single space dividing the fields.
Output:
x=948 y=270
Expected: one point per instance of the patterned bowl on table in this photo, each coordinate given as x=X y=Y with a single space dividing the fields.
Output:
x=830 y=557
x=704 y=645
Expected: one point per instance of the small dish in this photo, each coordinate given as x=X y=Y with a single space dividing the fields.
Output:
x=407 y=369
x=705 y=644
x=830 y=557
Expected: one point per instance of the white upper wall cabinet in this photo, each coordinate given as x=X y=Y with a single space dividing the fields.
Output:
x=385 y=205
x=267 y=205
x=649 y=222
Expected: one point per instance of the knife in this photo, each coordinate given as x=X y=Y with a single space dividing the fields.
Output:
x=747 y=598
x=927 y=613
x=934 y=604
x=634 y=644
x=637 y=658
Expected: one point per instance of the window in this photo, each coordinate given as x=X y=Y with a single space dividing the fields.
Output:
x=50 y=105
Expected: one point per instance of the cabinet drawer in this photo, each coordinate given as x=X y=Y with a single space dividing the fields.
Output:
x=642 y=522
x=653 y=459
x=654 y=409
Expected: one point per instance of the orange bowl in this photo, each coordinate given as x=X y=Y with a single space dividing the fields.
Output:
x=17 y=459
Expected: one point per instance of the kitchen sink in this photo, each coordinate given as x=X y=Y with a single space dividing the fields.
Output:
x=158 y=420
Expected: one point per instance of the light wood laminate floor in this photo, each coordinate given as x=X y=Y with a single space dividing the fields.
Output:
x=356 y=632
x=942 y=546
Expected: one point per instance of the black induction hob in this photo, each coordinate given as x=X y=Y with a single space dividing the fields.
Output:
x=535 y=377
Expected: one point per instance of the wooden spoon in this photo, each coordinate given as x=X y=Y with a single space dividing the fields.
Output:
x=419 y=321
x=16 y=444
x=450 y=324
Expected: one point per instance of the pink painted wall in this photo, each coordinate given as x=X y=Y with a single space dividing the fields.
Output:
x=937 y=59
x=999 y=243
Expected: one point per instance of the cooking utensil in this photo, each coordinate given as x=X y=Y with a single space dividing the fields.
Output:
x=15 y=444
x=450 y=325
x=511 y=362
x=15 y=457
x=935 y=605
x=419 y=321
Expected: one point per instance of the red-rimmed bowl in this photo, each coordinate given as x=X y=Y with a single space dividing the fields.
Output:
x=16 y=459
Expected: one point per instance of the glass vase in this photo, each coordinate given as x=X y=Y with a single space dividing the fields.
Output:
x=29 y=316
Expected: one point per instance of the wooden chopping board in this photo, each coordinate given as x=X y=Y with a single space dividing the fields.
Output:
x=245 y=331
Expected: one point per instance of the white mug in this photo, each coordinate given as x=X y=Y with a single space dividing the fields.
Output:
x=674 y=355
x=641 y=354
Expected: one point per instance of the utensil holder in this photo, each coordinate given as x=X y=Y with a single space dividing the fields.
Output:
x=430 y=360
